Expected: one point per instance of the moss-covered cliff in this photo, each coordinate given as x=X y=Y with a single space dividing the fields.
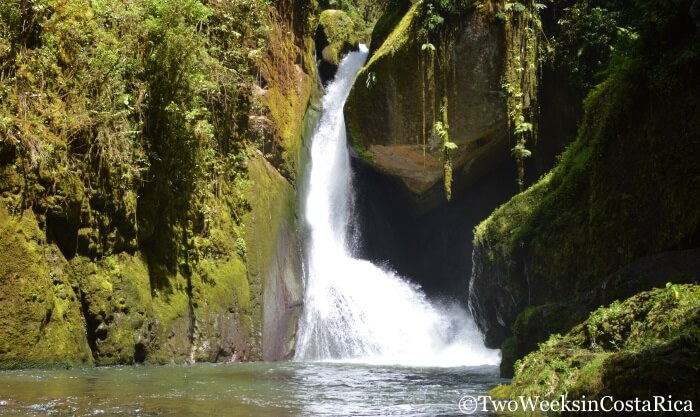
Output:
x=623 y=193
x=148 y=154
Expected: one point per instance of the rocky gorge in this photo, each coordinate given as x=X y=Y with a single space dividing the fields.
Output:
x=537 y=161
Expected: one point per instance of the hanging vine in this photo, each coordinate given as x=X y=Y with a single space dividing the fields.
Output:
x=435 y=63
x=428 y=65
x=523 y=36
x=524 y=39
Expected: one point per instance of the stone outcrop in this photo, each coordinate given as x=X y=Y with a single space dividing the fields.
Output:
x=274 y=260
x=644 y=346
x=336 y=35
x=390 y=110
x=40 y=315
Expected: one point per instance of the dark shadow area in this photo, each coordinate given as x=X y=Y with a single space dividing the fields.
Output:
x=91 y=324
x=140 y=353
x=64 y=234
x=432 y=246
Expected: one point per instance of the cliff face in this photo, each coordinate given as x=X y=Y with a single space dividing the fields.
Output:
x=391 y=111
x=147 y=181
x=617 y=215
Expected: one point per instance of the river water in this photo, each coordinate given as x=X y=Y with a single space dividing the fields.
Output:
x=243 y=389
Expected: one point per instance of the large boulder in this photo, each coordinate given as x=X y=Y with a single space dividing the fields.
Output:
x=336 y=35
x=642 y=347
x=390 y=113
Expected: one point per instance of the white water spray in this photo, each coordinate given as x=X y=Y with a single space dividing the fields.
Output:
x=353 y=310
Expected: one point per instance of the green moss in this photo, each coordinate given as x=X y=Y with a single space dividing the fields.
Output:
x=642 y=340
x=383 y=63
x=272 y=201
x=273 y=204
x=152 y=227
x=340 y=32
x=401 y=34
x=40 y=322
x=227 y=283
x=387 y=22
x=117 y=305
x=622 y=191
x=285 y=100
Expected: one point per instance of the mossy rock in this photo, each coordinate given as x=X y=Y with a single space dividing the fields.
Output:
x=40 y=320
x=336 y=35
x=224 y=327
x=535 y=324
x=290 y=78
x=644 y=346
x=393 y=106
x=106 y=266
x=128 y=320
x=387 y=23
x=273 y=261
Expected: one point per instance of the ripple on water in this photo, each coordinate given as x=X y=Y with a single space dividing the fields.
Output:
x=245 y=390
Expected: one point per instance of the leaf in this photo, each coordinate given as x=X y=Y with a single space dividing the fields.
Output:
x=440 y=129
x=523 y=127
x=371 y=79
x=450 y=146
x=515 y=6
x=520 y=152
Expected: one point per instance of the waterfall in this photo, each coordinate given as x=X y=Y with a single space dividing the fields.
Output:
x=354 y=310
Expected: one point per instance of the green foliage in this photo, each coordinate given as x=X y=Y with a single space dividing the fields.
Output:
x=433 y=18
x=643 y=340
x=442 y=129
x=108 y=93
x=583 y=45
x=371 y=79
x=524 y=51
x=520 y=152
x=622 y=190
x=433 y=14
x=241 y=247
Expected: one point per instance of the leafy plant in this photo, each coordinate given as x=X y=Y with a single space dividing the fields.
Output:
x=524 y=37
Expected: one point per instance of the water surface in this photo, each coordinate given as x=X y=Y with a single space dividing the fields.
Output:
x=245 y=390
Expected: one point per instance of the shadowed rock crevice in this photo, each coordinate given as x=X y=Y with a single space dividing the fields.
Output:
x=427 y=243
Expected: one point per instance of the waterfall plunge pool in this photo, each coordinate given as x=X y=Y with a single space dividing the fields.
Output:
x=244 y=389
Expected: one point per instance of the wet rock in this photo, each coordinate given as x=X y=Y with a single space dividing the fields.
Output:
x=390 y=110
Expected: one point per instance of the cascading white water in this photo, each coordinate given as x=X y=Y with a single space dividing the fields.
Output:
x=354 y=310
